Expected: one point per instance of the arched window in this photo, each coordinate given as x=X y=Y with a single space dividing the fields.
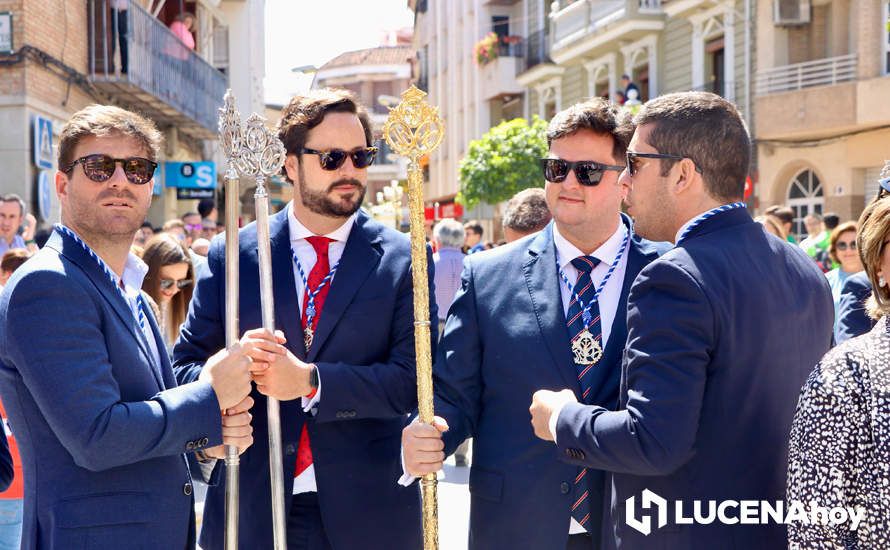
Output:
x=804 y=197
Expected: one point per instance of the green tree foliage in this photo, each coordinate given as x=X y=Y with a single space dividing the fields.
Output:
x=503 y=162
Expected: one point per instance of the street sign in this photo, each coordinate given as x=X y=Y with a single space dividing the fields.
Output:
x=6 y=32
x=190 y=175
x=44 y=194
x=43 y=143
x=187 y=193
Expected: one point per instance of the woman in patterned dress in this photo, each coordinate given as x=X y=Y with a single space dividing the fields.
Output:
x=839 y=454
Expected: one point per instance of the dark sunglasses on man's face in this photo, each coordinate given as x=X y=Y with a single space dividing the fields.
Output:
x=167 y=284
x=334 y=159
x=587 y=172
x=633 y=160
x=100 y=168
x=842 y=246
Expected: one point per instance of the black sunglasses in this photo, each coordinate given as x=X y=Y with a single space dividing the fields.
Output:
x=632 y=163
x=167 y=284
x=100 y=168
x=333 y=159
x=843 y=246
x=587 y=172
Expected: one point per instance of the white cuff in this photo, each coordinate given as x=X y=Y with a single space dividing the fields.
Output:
x=311 y=403
x=554 y=418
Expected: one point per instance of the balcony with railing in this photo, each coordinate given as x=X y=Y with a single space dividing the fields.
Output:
x=819 y=98
x=583 y=19
x=534 y=51
x=164 y=79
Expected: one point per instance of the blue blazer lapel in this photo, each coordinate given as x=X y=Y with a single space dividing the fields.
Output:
x=163 y=372
x=359 y=259
x=287 y=307
x=76 y=254
x=543 y=286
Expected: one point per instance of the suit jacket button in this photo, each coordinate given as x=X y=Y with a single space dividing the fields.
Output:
x=204 y=442
x=187 y=489
x=564 y=488
x=570 y=453
x=290 y=449
x=190 y=446
x=581 y=455
x=351 y=414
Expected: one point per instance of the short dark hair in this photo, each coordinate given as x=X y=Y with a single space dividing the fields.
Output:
x=13 y=259
x=205 y=207
x=12 y=197
x=104 y=121
x=600 y=117
x=784 y=213
x=707 y=129
x=305 y=112
x=527 y=211
x=474 y=226
x=831 y=220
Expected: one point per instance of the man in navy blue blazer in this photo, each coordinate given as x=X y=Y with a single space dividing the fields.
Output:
x=852 y=320
x=102 y=427
x=515 y=326
x=719 y=343
x=343 y=366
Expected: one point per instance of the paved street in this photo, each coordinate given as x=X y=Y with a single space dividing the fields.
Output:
x=454 y=506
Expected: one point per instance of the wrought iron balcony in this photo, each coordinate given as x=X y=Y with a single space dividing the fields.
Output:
x=164 y=79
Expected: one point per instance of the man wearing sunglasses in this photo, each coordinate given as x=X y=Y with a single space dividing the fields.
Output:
x=517 y=324
x=343 y=367
x=719 y=342
x=101 y=423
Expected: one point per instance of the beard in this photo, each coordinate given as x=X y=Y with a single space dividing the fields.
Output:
x=320 y=202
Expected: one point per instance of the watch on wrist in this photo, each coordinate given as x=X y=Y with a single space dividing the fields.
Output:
x=313 y=378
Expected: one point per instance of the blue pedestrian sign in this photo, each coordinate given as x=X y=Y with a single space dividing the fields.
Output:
x=44 y=194
x=43 y=143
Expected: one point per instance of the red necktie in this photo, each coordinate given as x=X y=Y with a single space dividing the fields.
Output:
x=319 y=271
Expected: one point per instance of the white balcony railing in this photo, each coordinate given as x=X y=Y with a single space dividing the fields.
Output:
x=583 y=17
x=821 y=72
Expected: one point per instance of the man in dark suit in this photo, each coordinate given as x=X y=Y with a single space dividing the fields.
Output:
x=719 y=341
x=343 y=366
x=547 y=310
x=101 y=425
x=852 y=320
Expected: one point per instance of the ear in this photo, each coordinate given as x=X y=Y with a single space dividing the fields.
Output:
x=687 y=176
x=61 y=184
x=291 y=166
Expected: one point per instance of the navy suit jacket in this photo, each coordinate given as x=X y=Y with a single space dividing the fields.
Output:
x=364 y=351
x=101 y=427
x=505 y=338
x=719 y=344
x=852 y=320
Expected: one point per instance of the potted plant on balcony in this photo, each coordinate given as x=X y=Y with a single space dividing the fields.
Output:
x=486 y=50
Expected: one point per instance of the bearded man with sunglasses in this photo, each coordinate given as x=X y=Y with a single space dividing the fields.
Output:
x=546 y=311
x=719 y=344
x=343 y=365
x=102 y=427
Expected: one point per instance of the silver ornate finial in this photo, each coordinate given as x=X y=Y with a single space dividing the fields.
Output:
x=252 y=150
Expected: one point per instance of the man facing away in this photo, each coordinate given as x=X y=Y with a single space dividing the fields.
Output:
x=526 y=213
x=547 y=310
x=719 y=342
x=342 y=365
x=101 y=424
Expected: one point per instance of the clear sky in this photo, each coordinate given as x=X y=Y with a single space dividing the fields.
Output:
x=312 y=32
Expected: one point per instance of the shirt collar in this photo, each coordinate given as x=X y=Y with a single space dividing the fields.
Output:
x=683 y=228
x=298 y=231
x=134 y=273
x=606 y=253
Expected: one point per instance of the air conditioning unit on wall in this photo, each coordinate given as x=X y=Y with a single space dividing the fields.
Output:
x=789 y=13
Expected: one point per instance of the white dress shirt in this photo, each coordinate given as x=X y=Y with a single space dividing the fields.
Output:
x=131 y=278
x=305 y=482
x=608 y=298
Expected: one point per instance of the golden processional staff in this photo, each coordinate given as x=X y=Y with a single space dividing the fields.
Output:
x=256 y=152
x=414 y=129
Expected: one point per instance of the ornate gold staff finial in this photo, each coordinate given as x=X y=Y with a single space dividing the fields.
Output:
x=412 y=130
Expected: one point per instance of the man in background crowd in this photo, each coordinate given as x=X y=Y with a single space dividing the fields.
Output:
x=526 y=213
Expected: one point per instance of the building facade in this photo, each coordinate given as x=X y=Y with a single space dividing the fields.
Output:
x=67 y=54
x=822 y=103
